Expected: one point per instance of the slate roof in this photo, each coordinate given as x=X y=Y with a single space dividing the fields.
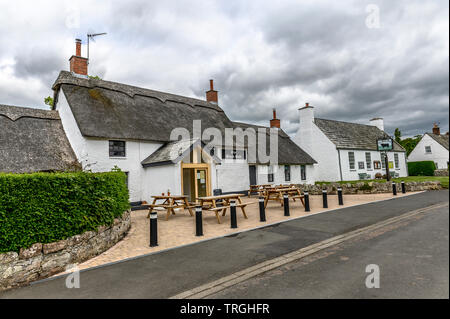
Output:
x=33 y=140
x=441 y=139
x=104 y=109
x=347 y=135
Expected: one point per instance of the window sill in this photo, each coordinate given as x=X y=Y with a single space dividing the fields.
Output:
x=117 y=157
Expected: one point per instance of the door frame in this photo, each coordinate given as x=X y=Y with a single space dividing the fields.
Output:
x=203 y=166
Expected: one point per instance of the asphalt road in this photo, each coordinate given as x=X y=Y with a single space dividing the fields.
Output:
x=168 y=273
x=412 y=256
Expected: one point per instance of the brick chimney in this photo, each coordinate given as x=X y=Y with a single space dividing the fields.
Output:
x=275 y=122
x=78 y=64
x=211 y=95
x=436 y=129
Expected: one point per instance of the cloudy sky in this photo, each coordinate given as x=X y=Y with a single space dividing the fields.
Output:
x=352 y=60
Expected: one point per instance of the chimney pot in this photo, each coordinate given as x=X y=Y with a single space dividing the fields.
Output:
x=78 y=64
x=436 y=129
x=306 y=104
x=275 y=122
x=211 y=95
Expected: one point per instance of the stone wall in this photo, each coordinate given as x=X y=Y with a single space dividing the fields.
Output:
x=441 y=172
x=44 y=260
x=370 y=187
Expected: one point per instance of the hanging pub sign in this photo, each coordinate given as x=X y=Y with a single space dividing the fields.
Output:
x=385 y=144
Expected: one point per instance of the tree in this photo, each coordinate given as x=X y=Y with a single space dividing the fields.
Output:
x=49 y=101
x=398 y=135
x=410 y=143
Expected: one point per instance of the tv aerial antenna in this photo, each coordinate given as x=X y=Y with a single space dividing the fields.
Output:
x=92 y=36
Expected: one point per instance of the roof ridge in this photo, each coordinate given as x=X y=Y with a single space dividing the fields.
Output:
x=15 y=113
x=318 y=118
x=66 y=77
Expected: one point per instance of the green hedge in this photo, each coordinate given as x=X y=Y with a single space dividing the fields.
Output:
x=424 y=168
x=47 y=207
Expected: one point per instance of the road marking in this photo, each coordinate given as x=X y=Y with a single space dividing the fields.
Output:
x=243 y=275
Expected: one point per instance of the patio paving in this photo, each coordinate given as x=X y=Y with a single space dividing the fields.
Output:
x=180 y=228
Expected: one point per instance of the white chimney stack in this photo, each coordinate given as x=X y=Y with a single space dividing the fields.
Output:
x=304 y=136
x=378 y=122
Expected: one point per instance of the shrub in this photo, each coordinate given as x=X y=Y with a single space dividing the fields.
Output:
x=365 y=187
x=424 y=168
x=47 y=207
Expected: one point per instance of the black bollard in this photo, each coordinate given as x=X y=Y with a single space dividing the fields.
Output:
x=153 y=229
x=262 y=210
x=198 y=221
x=394 y=189
x=306 y=201
x=233 y=214
x=286 y=205
x=403 y=187
x=324 y=198
x=340 y=199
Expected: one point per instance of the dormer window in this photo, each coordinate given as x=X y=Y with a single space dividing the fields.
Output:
x=117 y=149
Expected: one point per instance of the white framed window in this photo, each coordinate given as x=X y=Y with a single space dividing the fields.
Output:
x=396 y=161
x=428 y=149
x=351 y=160
x=360 y=165
x=368 y=160
x=383 y=161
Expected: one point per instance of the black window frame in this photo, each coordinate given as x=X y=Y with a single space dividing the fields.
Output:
x=428 y=147
x=287 y=173
x=235 y=152
x=117 y=153
x=361 y=165
x=270 y=177
x=303 y=172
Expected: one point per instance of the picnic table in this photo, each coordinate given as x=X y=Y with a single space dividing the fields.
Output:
x=257 y=188
x=170 y=203
x=221 y=203
x=276 y=193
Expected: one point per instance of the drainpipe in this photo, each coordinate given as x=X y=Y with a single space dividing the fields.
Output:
x=340 y=166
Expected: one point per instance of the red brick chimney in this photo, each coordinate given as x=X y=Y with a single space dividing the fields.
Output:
x=78 y=64
x=211 y=95
x=436 y=129
x=275 y=122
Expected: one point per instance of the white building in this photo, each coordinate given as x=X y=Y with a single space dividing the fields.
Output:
x=432 y=147
x=111 y=124
x=346 y=151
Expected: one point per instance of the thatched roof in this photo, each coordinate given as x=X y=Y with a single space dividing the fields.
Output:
x=105 y=109
x=347 y=135
x=33 y=140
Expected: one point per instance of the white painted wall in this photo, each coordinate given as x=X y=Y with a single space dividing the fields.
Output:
x=311 y=139
x=93 y=153
x=360 y=156
x=439 y=154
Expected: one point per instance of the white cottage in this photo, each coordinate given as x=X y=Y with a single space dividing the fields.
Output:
x=432 y=147
x=111 y=124
x=346 y=151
